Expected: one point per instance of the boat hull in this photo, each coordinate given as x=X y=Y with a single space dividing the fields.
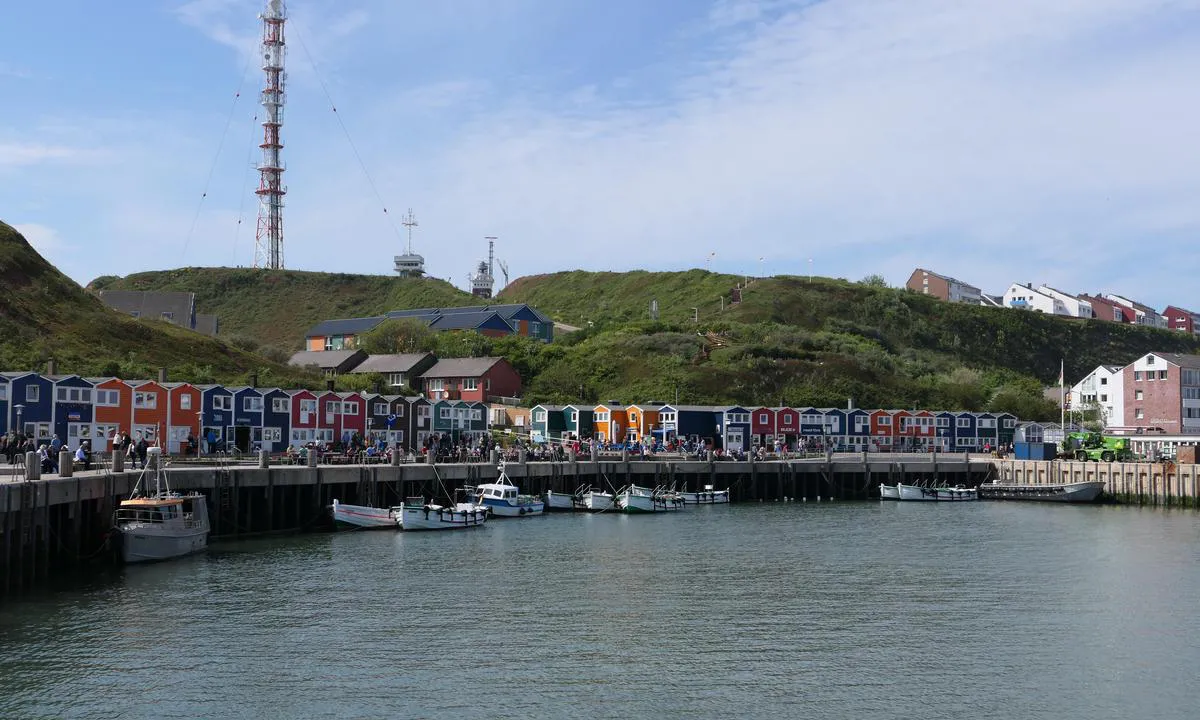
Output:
x=598 y=501
x=438 y=517
x=889 y=492
x=140 y=545
x=502 y=508
x=936 y=494
x=705 y=497
x=364 y=518
x=560 y=501
x=633 y=503
x=1080 y=492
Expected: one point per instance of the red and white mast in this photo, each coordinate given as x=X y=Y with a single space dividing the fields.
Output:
x=268 y=240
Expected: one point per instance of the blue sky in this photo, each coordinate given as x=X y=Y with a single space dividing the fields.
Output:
x=997 y=142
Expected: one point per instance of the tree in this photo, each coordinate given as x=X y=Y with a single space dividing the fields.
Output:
x=397 y=335
x=874 y=280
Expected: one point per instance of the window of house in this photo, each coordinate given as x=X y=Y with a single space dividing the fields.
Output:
x=395 y=379
x=32 y=393
x=252 y=404
x=308 y=406
x=1137 y=375
x=146 y=400
x=535 y=328
x=1162 y=374
x=444 y=413
x=1103 y=398
x=349 y=408
x=1150 y=360
x=3 y=392
x=222 y=402
x=1010 y=423
x=860 y=423
x=281 y=405
x=885 y=420
x=1103 y=381
x=185 y=401
x=943 y=422
x=1138 y=413
x=335 y=342
x=1137 y=394
x=381 y=408
x=469 y=384
x=476 y=414
x=763 y=419
x=601 y=417
x=107 y=398
x=272 y=434
x=539 y=416
x=633 y=417
x=964 y=422
x=437 y=385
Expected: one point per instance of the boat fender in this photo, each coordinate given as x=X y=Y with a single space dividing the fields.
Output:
x=522 y=511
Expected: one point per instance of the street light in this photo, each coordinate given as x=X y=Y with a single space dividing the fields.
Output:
x=20 y=409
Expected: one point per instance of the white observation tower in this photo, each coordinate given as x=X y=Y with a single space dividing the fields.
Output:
x=268 y=239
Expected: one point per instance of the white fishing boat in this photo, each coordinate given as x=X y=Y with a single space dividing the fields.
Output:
x=598 y=501
x=162 y=524
x=416 y=514
x=889 y=492
x=949 y=494
x=363 y=517
x=707 y=496
x=635 y=499
x=503 y=499
x=1076 y=492
x=562 y=501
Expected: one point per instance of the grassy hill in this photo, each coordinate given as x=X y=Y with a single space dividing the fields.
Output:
x=44 y=314
x=277 y=308
x=791 y=340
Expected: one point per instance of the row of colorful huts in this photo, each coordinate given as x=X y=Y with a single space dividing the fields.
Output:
x=741 y=428
x=78 y=408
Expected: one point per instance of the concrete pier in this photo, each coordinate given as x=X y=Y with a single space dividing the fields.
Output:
x=53 y=524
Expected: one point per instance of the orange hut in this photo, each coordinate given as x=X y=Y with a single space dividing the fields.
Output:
x=183 y=415
x=113 y=410
x=150 y=405
x=609 y=422
x=643 y=420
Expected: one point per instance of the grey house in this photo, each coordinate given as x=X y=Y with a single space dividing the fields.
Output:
x=400 y=370
x=331 y=362
x=178 y=308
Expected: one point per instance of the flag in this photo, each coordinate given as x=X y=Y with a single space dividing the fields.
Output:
x=1060 y=373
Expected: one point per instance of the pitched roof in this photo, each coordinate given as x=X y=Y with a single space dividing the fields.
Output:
x=390 y=363
x=461 y=367
x=346 y=326
x=324 y=359
x=947 y=278
x=467 y=320
x=1187 y=361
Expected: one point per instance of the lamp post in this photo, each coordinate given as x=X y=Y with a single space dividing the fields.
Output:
x=202 y=439
x=20 y=409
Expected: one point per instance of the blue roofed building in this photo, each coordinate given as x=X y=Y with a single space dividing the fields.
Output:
x=491 y=320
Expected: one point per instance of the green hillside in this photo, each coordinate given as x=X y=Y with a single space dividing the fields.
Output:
x=44 y=314
x=791 y=340
x=276 y=308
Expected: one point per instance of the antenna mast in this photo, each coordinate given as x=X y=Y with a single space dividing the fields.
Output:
x=410 y=222
x=268 y=240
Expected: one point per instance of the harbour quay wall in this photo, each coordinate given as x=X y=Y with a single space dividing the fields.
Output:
x=52 y=526
x=1137 y=483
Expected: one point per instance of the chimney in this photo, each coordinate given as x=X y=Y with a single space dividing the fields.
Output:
x=51 y=367
x=329 y=385
x=162 y=376
x=253 y=379
x=849 y=403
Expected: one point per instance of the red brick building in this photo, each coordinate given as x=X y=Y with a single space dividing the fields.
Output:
x=475 y=379
x=1162 y=390
x=1105 y=309
x=1181 y=319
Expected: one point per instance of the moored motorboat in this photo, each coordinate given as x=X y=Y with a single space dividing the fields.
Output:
x=951 y=494
x=160 y=525
x=503 y=499
x=707 y=496
x=416 y=514
x=598 y=501
x=889 y=492
x=363 y=517
x=563 y=501
x=1076 y=492
x=634 y=499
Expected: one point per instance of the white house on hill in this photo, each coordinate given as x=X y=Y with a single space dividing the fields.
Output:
x=1072 y=304
x=1025 y=297
x=1104 y=390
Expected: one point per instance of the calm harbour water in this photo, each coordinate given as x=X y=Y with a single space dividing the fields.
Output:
x=983 y=610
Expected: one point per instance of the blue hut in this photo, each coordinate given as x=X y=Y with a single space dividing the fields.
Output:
x=216 y=405
x=579 y=421
x=857 y=434
x=546 y=421
x=736 y=433
x=1006 y=427
x=31 y=403
x=966 y=437
x=691 y=422
x=835 y=428
x=73 y=410
x=276 y=419
x=944 y=423
x=986 y=430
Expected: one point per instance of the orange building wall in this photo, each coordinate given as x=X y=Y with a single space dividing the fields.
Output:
x=179 y=417
x=156 y=416
x=120 y=415
x=316 y=344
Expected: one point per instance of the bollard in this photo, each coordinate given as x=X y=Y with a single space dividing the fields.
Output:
x=571 y=455
x=522 y=456
x=624 y=454
x=494 y=458
x=264 y=460
x=33 y=466
x=66 y=466
x=431 y=456
x=396 y=457
x=708 y=455
x=595 y=453
x=118 y=460
x=311 y=458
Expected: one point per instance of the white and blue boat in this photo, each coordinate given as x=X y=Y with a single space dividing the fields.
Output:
x=503 y=499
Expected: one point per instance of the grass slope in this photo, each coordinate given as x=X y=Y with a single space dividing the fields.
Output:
x=276 y=308
x=44 y=314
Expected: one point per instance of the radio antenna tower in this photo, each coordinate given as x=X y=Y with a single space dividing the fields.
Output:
x=268 y=240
